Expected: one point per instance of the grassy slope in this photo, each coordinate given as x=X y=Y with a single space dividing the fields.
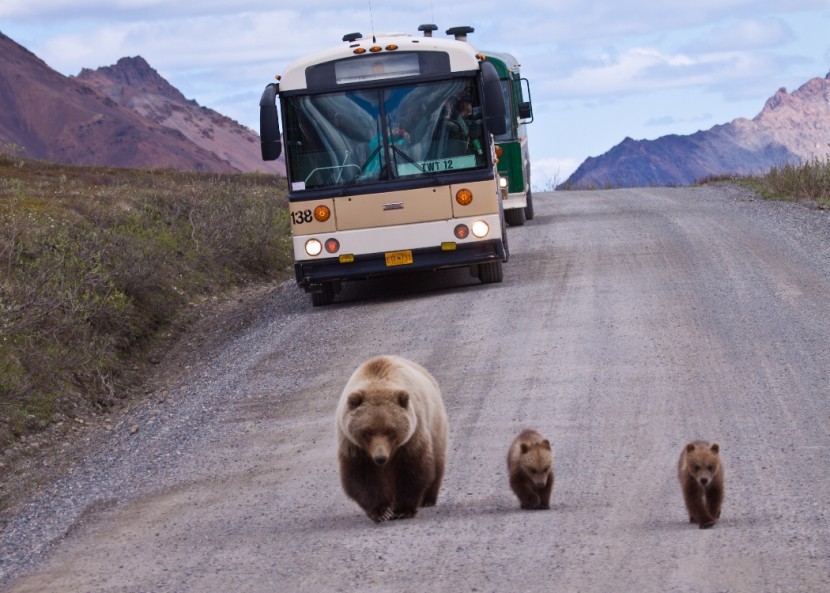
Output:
x=95 y=262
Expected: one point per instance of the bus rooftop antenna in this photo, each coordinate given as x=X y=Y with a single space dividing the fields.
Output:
x=372 y=21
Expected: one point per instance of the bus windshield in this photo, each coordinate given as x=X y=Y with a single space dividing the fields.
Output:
x=370 y=135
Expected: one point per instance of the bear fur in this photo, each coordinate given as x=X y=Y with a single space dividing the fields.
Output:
x=530 y=466
x=392 y=436
x=701 y=478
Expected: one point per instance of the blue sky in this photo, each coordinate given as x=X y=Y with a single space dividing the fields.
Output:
x=599 y=70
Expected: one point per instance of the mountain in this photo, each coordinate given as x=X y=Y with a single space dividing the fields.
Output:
x=133 y=84
x=68 y=119
x=791 y=128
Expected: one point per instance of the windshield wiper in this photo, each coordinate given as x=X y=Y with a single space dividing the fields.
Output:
x=357 y=175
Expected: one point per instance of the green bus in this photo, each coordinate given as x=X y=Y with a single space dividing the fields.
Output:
x=511 y=146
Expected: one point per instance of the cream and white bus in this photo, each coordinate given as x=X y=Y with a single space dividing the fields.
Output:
x=390 y=158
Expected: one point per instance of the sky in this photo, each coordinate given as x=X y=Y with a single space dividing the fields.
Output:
x=599 y=71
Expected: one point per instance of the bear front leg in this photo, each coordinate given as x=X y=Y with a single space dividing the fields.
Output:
x=526 y=493
x=431 y=494
x=412 y=479
x=694 y=497
x=714 y=500
x=544 y=493
x=364 y=483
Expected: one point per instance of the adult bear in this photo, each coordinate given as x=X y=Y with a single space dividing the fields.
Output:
x=392 y=438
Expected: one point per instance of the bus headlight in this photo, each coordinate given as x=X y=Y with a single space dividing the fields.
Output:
x=480 y=229
x=313 y=247
x=503 y=182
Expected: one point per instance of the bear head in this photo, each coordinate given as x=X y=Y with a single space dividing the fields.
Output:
x=536 y=460
x=702 y=462
x=379 y=421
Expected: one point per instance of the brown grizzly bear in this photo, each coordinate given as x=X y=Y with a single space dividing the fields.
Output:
x=701 y=478
x=530 y=466
x=392 y=438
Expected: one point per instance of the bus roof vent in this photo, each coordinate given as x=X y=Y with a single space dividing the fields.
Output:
x=460 y=32
x=428 y=29
x=349 y=37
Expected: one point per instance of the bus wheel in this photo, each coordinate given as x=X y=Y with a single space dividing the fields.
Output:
x=323 y=297
x=529 y=207
x=515 y=216
x=490 y=272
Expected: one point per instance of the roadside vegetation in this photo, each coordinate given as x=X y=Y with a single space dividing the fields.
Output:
x=808 y=181
x=95 y=264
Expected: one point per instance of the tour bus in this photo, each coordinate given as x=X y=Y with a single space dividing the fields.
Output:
x=511 y=146
x=389 y=158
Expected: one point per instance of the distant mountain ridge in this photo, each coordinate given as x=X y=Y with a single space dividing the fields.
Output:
x=124 y=115
x=791 y=128
x=132 y=83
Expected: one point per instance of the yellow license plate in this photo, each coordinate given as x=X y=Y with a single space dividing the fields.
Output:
x=399 y=258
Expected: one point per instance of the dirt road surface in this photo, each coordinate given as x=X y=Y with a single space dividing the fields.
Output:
x=629 y=322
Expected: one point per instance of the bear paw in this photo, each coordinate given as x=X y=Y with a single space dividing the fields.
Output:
x=405 y=513
x=385 y=515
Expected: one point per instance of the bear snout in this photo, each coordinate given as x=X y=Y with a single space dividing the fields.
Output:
x=703 y=480
x=380 y=450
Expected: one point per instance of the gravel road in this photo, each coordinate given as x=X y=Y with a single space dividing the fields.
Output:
x=629 y=322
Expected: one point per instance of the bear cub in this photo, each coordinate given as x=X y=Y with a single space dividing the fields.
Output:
x=392 y=436
x=701 y=479
x=530 y=466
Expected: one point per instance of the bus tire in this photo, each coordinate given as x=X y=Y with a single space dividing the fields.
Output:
x=515 y=216
x=323 y=297
x=490 y=272
x=529 y=207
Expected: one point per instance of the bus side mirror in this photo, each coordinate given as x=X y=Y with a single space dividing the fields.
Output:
x=525 y=108
x=495 y=115
x=269 y=125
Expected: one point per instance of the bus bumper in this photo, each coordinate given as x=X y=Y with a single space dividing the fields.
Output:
x=311 y=275
x=515 y=200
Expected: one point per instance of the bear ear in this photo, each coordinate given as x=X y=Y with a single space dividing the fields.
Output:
x=714 y=448
x=690 y=447
x=403 y=398
x=546 y=443
x=355 y=400
x=525 y=448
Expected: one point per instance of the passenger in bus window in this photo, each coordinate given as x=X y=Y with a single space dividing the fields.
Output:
x=467 y=128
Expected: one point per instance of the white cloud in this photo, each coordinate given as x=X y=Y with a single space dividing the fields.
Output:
x=746 y=35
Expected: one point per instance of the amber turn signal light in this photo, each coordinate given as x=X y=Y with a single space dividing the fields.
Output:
x=322 y=213
x=464 y=197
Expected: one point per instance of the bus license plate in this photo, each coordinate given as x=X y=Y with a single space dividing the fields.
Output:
x=399 y=258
